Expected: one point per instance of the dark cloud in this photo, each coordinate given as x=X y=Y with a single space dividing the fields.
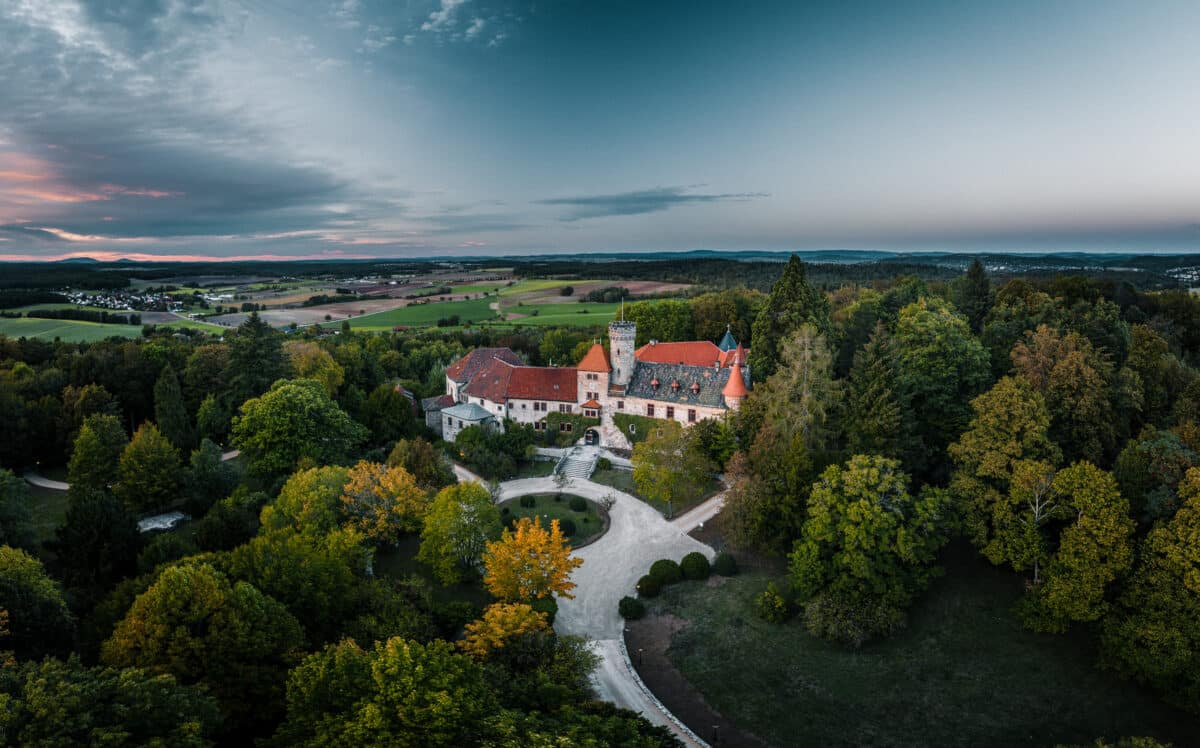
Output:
x=639 y=202
x=28 y=233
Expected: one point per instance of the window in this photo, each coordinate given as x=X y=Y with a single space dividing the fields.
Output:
x=691 y=415
x=522 y=406
x=539 y=425
x=564 y=426
x=620 y=405
x=670 y=412
x=564 y=408
x=593 y=376
x=593 y=396
x=650 y=410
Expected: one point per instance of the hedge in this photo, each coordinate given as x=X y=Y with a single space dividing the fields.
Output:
x=695 y=566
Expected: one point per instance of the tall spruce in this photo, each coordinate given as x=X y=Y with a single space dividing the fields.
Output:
x=170 y=413
x=975 y=296
x=256 y=359
x=873 y=414
x=793 y=302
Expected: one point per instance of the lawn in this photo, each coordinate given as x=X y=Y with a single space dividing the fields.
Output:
x=401 y=562
x=552 y=506
x=71 y=331
x=964 y=672
x=622 y=480
x=48 y=509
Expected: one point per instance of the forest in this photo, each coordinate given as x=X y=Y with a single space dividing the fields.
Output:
x=336 y=585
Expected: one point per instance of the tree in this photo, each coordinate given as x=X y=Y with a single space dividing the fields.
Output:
x=428 y=466
x=16 y=522
x=868 y=544
x=458 y=526
x=310 y=502
x=1148 y=470
x=940 y=366
x=1010 y=427
x=98 y=543
x=256 y=359
x=294 y=421
x=208 y=478
x=873 y=416
x=389 y=414
x=193 y=624
x=556 y=347
x=975 y=296
x=383 y=502
x=148 y=473
x=500 y=623
x=1075 y=381
x=311 y=361
x=56 y=703
x=665 y=320
x=99 y=446
x=1162 y=376
x=1094 y=550
x=212 y=420
x=170 y=413
x=400 y=693
x=668 y=468
x=1018 y=308
x=531 y=562
x=1154 y=632
x=39 y=622
x=80 y=402
x=793 y=302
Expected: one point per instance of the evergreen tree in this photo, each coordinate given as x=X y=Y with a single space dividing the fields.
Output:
x=793 y=302
x=16 y=523
x=256 y=359
x=97 y=544
x=170 y=413
x=98 y=447
x=148 y=471
x=873 y=416
x=975 y=296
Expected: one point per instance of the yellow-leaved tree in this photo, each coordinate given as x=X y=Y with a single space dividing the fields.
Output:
x=383 y=502
x=529 y=563
x=500 y=623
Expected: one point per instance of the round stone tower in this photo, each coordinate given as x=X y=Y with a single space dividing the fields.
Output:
x=621 y=337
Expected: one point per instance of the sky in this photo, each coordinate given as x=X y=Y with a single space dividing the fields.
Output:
x=184 y=129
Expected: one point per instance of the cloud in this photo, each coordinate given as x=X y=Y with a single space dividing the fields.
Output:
x=443 y=19
x=377 y=38
x=345 y=14
x=640 y=201
x=476 y=28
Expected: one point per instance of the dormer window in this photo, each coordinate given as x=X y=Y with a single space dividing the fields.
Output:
x=675 y=384
x=695 y=387
x=654 y=383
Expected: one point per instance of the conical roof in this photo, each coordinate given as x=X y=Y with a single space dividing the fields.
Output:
x=595 y=360
x=727 y=342
x=736 y=386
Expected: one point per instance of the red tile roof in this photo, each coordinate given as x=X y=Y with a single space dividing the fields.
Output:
x=689 y=353
x=595 y=360
x=500 y=381
x=736 y=386
x=591 y=404
x=464 y=369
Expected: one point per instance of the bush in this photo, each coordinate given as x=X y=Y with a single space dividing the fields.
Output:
x=547 y=605
x=631 y=608
x=725 y=565
x=578 y=504
x=648 y=586
x=851 y=622
x=695 y=566
x=604 y=464
x=567 y=526
x=666 y=571
x=770 y=605
x=528 y=501
x=505 y=511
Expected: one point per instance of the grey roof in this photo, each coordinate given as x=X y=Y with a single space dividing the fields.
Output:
x=727 y=342
x=467 y=412
x=711 y=381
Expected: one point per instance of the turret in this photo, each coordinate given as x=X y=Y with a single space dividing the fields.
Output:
x=621 y=338
x=735 y=389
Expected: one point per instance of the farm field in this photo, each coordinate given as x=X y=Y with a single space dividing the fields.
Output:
x=71 y=331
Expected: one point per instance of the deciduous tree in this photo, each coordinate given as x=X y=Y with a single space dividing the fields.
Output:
x=383 y=502
x=39 y=622
x=459 y=524
x=668 y=469
x=310 y=502
x=97 y=450
x=500 y=623
x=530 y=562
x=311 y=361
x=148 y=473
x=428 y=466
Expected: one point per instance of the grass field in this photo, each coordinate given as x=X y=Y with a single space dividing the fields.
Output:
x=71 y=331
x=421 y=315
x=571 y=314
x=48 y=509
x=964 y=673
x=550 y=506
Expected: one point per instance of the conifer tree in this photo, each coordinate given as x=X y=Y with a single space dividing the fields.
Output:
x=170 y=413
x=256 y=359
x=793 y=302
x=975 y=296
x=873 y=418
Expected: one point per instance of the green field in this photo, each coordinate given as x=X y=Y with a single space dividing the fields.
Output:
x=964 y=673
x=421 y=315
x=574 y=314
x=71 y=331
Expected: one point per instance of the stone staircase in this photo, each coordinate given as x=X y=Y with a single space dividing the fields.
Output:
x=578 y=463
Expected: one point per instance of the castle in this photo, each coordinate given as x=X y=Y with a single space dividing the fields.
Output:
x=685 y=382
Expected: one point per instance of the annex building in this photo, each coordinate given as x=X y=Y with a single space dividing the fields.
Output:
x=684 y=381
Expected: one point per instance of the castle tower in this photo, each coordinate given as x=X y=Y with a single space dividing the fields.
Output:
x=621 y=338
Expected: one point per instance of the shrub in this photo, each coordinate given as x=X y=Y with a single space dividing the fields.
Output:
x=528 y=502
x=505 y=511
x=695 y=566
x=567 y=526
x=578 y=504
x=631 y=608
x=851 y=622
x=725 y=565
x=558 y=497
x=547 y=605
x=770 y=605
x=648 y=586
x=666 y=571
x=604 y=464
